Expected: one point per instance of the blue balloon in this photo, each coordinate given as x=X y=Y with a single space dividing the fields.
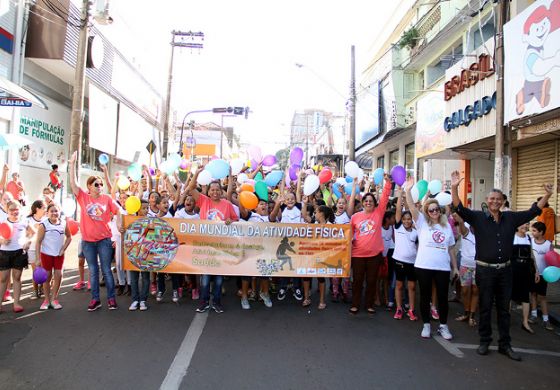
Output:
x=348 y=188
x=551 y=274
x=174 y=161
x=378 y=176
x=218 y=168
x=103 y=159
x=273 y=178
x=349 y=179
x=336 y=191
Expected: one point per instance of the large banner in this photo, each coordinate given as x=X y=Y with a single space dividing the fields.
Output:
x=250 y=249
x=532 y=61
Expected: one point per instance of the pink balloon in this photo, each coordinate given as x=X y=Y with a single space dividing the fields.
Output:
x=214 y=157
x=552 y=258
x=184 y=164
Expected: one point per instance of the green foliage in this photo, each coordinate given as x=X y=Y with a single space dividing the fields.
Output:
x=283 y=158
x=409 y=39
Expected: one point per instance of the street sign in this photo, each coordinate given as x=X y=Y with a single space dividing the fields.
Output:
x=238 y=110
x=151 y=147
x=14 y=102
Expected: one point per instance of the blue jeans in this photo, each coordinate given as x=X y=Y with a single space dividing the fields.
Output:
x=295 y=281
x=139 y=294
x=103 y=249
x=175 y=281
x=205 y=288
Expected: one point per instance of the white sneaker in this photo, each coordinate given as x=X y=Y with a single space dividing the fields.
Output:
x=245 y=304
x=443 y=330
x=426 y=331
x=133 y=306
x=175 y=296
x=159 y=296
x=266 y=299
x=143 y=306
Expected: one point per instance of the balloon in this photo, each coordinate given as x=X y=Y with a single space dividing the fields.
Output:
x=261 y=190
x=340 y=181
x=132 y=205
x=309 y=171
x=443 y=198
x=336 y=191
x=255 y=153
x=360 y=175
x=73 y=226
x=273 y=178
x=296 y=155
x=184 y=164
x=434 y=187
x=422 y=186
x=250 y=182
x=352 y=169
x=348 y=188
x=415 y=192
x=259 y=177
x=164 y=166
x=123 y=183
x=68 y=206
x=152 y=171
x=378 y=176
x=135 y=172
x=254 y=164
x=248 y=200
x=269 y=160
x=551 y=274
x=204 y=178
x=311 y=184
x=218 y=168
x=40 y=275
x=174 y=161
x=103 y=159
x=236 y=166
x=552 y=258
x=242 y=178
x=325 y=176
x=247 y=187
x=294 y=172
x=398 y=173
x=348 y=179
x=6 y=230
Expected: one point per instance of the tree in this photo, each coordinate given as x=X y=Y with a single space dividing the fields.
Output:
x=283 y=158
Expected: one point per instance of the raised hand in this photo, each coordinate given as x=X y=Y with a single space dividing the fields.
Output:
x=456 y=179
x=409 y=183
x=549 y=189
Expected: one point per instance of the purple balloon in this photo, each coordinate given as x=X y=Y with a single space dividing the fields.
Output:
x=398 y=173
x=269 y=160
x=152 y=171
x=294 y=172
x=296 y=155
x=40 y=275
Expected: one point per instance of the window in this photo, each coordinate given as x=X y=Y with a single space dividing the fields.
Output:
x=90 y=156
x=393 y=158
x=478 y=35
x=381 y=162
x=437 y=70
x=409 y=158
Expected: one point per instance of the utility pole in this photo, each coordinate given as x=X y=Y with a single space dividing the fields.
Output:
x=352 y=107
x=77 y=118
x=502 y=163
x=183 y=42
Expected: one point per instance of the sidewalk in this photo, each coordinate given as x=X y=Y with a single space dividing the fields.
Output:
x=553 y=298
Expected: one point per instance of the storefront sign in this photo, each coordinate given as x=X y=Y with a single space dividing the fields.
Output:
x=430 y=112
x=469 y=77
x=14 y=102
x=465 y=116
x=249 y=249
x=532 y=61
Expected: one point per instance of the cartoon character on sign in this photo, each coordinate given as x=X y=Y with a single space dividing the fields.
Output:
x=538 y=63
x=281 y=254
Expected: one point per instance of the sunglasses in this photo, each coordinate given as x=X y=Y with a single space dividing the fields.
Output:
x=434 y=210
x=97 y=185
x=13 y=209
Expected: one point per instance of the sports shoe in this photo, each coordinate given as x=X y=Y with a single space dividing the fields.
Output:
x=89 y=285
x=195 y=294
x=143 y=306
x=120 y=290
x=245 y=304
x=434 y=313
x=80 y=285
x=34 y=295
x=153 y=288
x=411 y=315
x=547 y=325
x=218 y=308
x=56 y=305
x=112 y=304
x=266 y=299
x=175 y=297
x=204 y=306
x=390 y=306
x=159 y=296
x=443 y=330
x=297 y=294
x=532 y=320
x=281 y=294
x=398 y=314
x=252 y=296
x=6 y=296
x=45 y=305
x=94 y=304
x=133 y=306
x=426 y=331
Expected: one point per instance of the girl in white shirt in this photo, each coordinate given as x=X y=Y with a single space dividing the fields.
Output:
x=467 y=271
x=538 y=289
x=34 y=219
x=435 y=260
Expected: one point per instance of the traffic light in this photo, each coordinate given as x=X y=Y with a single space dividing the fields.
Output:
x=246 y=112
x=238 y=110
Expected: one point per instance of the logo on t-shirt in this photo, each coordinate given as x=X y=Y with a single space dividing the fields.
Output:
x=95 y=211
x=215 y=215
x=438 y=236
x=367 y=227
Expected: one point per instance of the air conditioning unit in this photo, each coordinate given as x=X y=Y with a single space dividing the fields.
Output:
x=101 y=12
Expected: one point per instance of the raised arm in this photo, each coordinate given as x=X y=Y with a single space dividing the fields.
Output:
x=191 y=189
x=298 y=187
x=113 y=188
x=108 y=179
x=73 y=182
x=462 y=228
x=456 y=179
x=273 y=217
x=5 y=171
x=352 y=200
x=548 y=193
x=409 y=201
x=398 y=211
x=385 y=194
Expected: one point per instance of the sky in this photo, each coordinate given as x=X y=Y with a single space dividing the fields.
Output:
x=249 y=55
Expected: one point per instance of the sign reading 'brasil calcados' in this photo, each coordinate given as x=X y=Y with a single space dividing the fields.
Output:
x=472 y=112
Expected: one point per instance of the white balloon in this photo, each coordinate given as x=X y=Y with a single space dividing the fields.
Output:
x=443 y=198
x=311 y=184
x=204 y=178
x=236 y=166
x=415 y=193
x=242 y=178
x=340 y=181
x=434 y=187
x=360 y=175
x=68 y=206
x=352 y=169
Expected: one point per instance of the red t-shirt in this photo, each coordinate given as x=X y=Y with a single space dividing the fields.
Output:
x=212 y=211
x=366 y=228
x=54 y=179
x=12 y=187
x=95 y=216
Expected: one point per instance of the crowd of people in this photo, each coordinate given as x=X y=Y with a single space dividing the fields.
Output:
x=399 y=245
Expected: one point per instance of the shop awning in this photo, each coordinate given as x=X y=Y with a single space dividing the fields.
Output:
x=17 y=91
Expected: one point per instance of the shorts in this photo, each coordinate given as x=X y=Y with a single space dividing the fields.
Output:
x=540 y=287
x=467 y=276
x=49 y=262
x=81 y=250
x=405 y=271
x=13 y=260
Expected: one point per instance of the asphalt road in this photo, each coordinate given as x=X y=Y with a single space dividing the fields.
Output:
x=286 y=347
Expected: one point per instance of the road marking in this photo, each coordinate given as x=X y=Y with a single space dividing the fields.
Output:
x=521 y=350
x=449 y=346
x=180 y=364
x=31 y=314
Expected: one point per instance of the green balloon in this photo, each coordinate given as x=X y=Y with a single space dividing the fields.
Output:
x=422 y=186
x=261 y=189
x=259 y=176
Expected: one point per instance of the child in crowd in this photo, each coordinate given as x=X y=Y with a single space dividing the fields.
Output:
x=538 y=289
x=34 y=219
x=467 y=271
x=387 y=287
x=139 y=297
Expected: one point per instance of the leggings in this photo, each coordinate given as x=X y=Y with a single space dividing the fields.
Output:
x=441 y=278
x=365 y=268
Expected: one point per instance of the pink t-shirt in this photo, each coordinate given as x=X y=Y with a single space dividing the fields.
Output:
x=366 y=228
x=95 y=216
x=212 y=211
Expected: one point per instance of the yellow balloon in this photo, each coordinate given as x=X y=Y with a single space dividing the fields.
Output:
x=132 y=205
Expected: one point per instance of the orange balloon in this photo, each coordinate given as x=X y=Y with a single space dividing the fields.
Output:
x=73 y=226
x=248 y=200
x=247 y=187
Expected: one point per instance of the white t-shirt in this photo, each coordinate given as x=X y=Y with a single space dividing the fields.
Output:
x=53 y=240
x=406 y=244
x=342 y=219
x=254 y=217
x=152 y=213
x=3 y=215
x=433 y=245
x=18 y=237
x=183 y=214
x=521 y=240
x=468 y=250
x=388 y=242
x=292 y=215
x=539 y=250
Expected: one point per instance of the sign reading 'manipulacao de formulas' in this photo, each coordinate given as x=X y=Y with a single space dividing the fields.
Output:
x=42 y=130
